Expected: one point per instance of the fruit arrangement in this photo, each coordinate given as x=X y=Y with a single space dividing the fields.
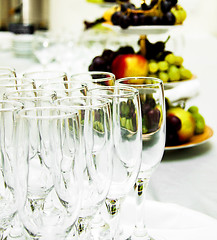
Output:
x=151 y=60
x=182 y=124
x=158 y=12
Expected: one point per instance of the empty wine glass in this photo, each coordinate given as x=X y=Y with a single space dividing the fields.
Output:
x=54 y=134
x=152 y=100
x=8 y=206
x=95 y=156
x=93 y=79
x=42 y=77
x=7 y=72
x=127 y=147
x=43 y=48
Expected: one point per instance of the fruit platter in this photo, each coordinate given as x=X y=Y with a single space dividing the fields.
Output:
x=185 y=127
x=151 y=60
x=158 y=14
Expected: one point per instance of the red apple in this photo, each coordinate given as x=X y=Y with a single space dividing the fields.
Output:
x=187 y=123
x=129 y=65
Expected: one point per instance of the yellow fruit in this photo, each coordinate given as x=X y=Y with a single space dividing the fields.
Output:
x=187 y=123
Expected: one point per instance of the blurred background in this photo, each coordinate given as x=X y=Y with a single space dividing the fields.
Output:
x=68 y=15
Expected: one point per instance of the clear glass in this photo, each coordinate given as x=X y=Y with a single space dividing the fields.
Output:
x=93 y=79
x=65 y=88
x=47 y=150
x=45 y=76
x=10 y=84
x=127 y=148
x=32 y=97
x=95 y=157
x=7 y=72
x=152 y=100
x=43 y=47
x=8 y=204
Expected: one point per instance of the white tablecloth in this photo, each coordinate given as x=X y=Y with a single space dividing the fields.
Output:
x=166 y=221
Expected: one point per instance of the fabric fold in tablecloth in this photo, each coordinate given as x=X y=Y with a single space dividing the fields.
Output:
x=168 y=221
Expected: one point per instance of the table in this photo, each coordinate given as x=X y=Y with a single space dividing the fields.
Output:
x=186 y=177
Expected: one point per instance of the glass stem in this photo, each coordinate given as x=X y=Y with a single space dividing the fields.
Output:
x=113 y=208
x=82 y=226
x=140 y=190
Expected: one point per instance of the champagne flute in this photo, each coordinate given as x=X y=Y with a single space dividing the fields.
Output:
x=152 y=99
x=127 y=147
x=44 y=48
x=95 y=156
x=8 y=207
x=93 y=79
x=55 y=132
x=42 y=77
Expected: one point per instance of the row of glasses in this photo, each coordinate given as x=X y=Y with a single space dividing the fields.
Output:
x=27 y=98
x=34 y=127
x=125 y=133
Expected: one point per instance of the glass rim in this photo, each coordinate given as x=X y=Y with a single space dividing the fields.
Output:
x=7 y=68
x=130 y=93
x=111 y=75
x=17 y=105
x=28 y=74
x=8 y=79
x=104 y=101
x=13 y=97
x=71 y=113
x=157 y=83
x=64 y=82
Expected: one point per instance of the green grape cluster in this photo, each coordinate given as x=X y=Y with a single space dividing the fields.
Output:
x=170 y=69
x=199 y=119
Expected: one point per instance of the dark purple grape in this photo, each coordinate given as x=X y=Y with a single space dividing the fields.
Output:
x=172 y=138
x=124 y=7
x=173 y=2
x=108 y=68
x=108 y=55
x=99 y=64
x=124 y=21
x=131 y=107
x=116 y=18
x=151 y=102
x=153 y=117
x=134 y=19
x=169 y=19
x=173 y=123
x=165 y=6
x=91 y=68
x=155 y=20
x=125 y=50
x=145 y=20
x=145 y=108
